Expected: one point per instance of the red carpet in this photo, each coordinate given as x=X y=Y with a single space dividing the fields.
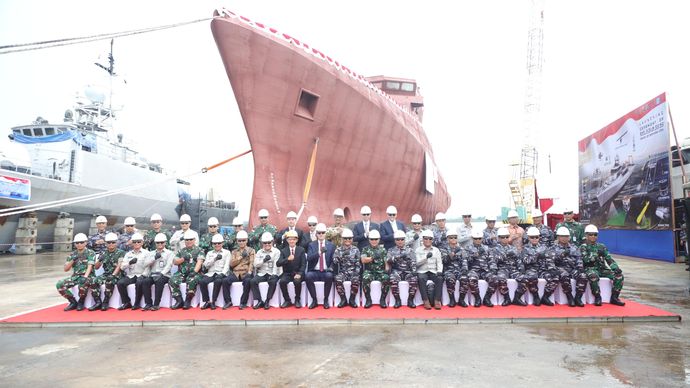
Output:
x=607 y=312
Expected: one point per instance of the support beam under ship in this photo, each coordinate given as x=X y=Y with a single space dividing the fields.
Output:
x=372 y=149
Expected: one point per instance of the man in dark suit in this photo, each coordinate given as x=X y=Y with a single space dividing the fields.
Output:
x=319 y=259
x=293 y=259
x=388 y=227
x=301 y=238
x=363 y=227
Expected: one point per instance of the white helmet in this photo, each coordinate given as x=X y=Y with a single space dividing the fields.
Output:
x=111 y=237
x=291 y=215
x=242 y=235
x=189 y=235
x=101 y=219
x=591 y=228
x=563 y=231
x=476 y=233
x=263 y=213
x=399 y=234
x=512 y=213
x=440 y=216
x=156 y=217
x=365 y=210
x=416 y=218
x=312 y=220
x=80 y=237
x=130 y=221
x=237 y=221
x=503 y=232
x=185 y=218
x=537 y=213
x=391 y=210
x=212 y=221
x=338 y=212
x=532 y=231
x=567 y=210
x=467 y=212
x=217 y=238
x=321 y=227
x=427 y=233
x=452 y=232
x=160 y=237
x=137 y=237
x=374 y=234
x=347 y=233
x=490 y=218
x=266 y=237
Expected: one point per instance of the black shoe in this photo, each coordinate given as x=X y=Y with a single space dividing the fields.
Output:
x=155 y=307
x=614 y=299
x=451 y=303
x=571 y=301
x=188 y=302
x=298 y=304
x=205 y=305
x=506 y=300
x=80 y=305
x=517 y=300
x=597 y=299
x=178 y=303
x=342 y=302
x=105 y=305
x=227 y=305
x=326 y=305
x=546 y=301
x=267 y=306
x=461 y=301
x=398 y=303
x=147 y=307
x=410 y=302
x=96 y=306
x=578 y=300
x=72 y=304
x=258 y=305
x=243 y=306
x=487 y=301
x=125 y=306
x=135 y=306
x=367 y=304
x=312 y=305
x=212 y=305
x=353 y=301
x=477 y=300
x=382 y=302
x=536 y=298
x=286 y=303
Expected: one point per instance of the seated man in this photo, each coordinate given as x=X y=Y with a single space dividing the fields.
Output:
x=241 y=264
x=403 y=265
x=454 y=269
x=160 y=271
x=374 y=262
x=293 y=260
x=429 y=267
x=480 y=265
x=217 y=264
x=568 y=262
x=135 y=266
x=266 y=271
x=109 y=260
x=510 y=266
x=188 y=260
x=599 y=263
x=347 y=258
x=533 y=257
x=319 y=260
x=81 y=263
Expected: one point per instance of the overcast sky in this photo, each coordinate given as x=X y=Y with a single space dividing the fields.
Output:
x=602 y=59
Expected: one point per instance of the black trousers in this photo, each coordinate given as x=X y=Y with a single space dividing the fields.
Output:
x=438 y=285
x=217 y=280
x=159 y=282
x=227 y=282
x=318 y=276
x=272 y=282
x=286 y=278
x=125 y=281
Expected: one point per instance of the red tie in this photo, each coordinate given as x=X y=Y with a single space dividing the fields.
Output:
x=322 y=262
x=292 y=251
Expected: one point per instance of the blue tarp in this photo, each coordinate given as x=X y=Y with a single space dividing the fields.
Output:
x=87 y=140
x=648 y=244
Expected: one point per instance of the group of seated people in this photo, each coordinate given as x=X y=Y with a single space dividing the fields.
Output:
x=427 y=259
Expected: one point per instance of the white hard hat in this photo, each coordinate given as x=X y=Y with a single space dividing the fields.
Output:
x=291 y=234
x=156 y=217
x=339 y=212
x=312 y=220
x=399 y=234
x=189 y=235
x=532 y=231
x=440 y=216
x=452 y=232
x=266 y=237
x=563 y=231
x=241 y=235
x=101 y=219
x=537 y=213
x=365 y=210
x=490 y=218
x=466 y=212
x=130 y=221
x=503 y=232
x=237 y=221
x=185 y=218
x=427 y=233
x=591 y=228
x=217 y=238
x=291 y=215
x=137 y=237
x=160 y=237
x=263 y=213
x=212 y=221
x=321 y=227
x=512 y=213
x=416 y=218
x=111 y=237
x=80 y=237
x=347 y=233
x=476 y=233
x=391 y=210
x=567 y=210
x=374 y=234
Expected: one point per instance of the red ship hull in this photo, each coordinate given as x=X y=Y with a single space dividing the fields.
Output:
x=371 y=151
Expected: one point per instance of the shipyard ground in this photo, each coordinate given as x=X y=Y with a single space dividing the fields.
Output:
x=592 y=354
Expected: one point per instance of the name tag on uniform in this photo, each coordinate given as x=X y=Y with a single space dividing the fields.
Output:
x=161 y=264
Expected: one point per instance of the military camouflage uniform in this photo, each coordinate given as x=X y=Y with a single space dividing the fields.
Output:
x=599 y=263
x=533 y=257
x=376 y=270
x=568 y=261
x=123 y=239
x=546 y=235
x=109 y=261
x=490 y=237
x=403 y=265
x=440 y=237
x=150 y=244
x=577 y=232
x=413 y=239
x=455 y=270
x=255 y=235
x=465 y=235
x=510 y=266
x=206 y=245
x=334 y=234
x=349 y=268
x=82 y=260
x=481 y=264
x=98 y=248
x=185 y=271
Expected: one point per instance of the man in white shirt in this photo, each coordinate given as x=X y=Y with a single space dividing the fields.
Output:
x=429 y=267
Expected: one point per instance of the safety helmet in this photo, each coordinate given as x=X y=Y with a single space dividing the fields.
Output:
x=111 y=237
x=242 y=235
x=567 y=210
x=266 y=237
x=532 y=231
x=440 y=216
x=563 y=231
x=80 y=237
x=591 y=228
x=321 y=227
x=512 y=213
x=291 y=234
x=217 y=238
x=130 y=221
x=156 y=217
x=347 y=233
x=391 y=210
x=291 y=215
x=452 y=232
x=537 y=213
x=416 y=218
x=160 y=237
x=374 y=234
x=263 y=213
x=312 y=220
x=101 y=219
x=237 y=221
x=503 y=232
x=490 y=218
x=365 y=210
x=427 y=233
x=212 y=221
x=338 y=212
x=466 y=212
x=476 y=233
x=189 y=235
x=185 y=218
x=137 y=237
x=399 y=234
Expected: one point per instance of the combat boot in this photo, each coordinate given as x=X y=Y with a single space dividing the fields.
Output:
x=597 y=299
x=461 y=301
x=615 y=300
x=506 y=300
x=537 y=300
x=343 y=300
x=451 y=302
x=367 y=295
x=578 y=300
x=398 y=302
x=96 y=305
x=105 y=305
x=477 y=299
x=410 y=302
x=72 y=304
x=178 y=303
x=188 y=302
x=517 y=300
x=545 y=299
x=487 y=300
x=353 y=301
x=82 y=299
x=571 y=301
x=382 y=301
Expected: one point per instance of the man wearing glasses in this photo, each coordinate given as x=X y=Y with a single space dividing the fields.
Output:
x=109 y=260
x=160 y=271
x=97 y=240
x=440 y=231
x=259 y=230
x=205 y=243
x=599 y=263
x=388 y=227
x=266 y=271
x=311 y=222
x=293 y=260
x=291 y=226
x=403 y=265
x=547 y=236
x=319 y=260
x=177 y=240
x=413 y=237
x=347 y=258
x=217 y=264
x=481 y=265
x=429 y=267
x=135 y=266
x=535 y=259
x=241 y=266
x=568 y=261
x=124 y=241
x=188 y=260
x=362 y=228
x=156 y=228
x=455 y=270
x=577 y=233
x=510 y=266
x=374 y=263
x=81 y=263
x=489 y=233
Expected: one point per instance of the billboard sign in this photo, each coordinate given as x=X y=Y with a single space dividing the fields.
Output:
x=15 y=188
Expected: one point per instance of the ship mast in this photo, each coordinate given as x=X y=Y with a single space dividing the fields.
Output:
x=111 y=71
